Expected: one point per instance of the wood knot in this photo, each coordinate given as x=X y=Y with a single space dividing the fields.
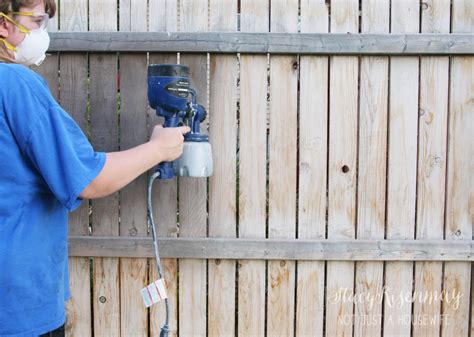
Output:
x=133 y=231
x=305 y=167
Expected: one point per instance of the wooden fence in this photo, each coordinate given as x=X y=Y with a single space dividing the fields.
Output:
x=342 y=198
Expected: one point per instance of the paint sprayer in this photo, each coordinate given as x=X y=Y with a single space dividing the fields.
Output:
x=171 y=95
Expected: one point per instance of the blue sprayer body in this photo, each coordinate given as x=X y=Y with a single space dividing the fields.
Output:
x=170 y=94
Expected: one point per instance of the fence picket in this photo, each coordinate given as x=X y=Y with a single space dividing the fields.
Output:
x=74 y=91
x=344 y=71
x=104 y=131
x=252 y=169
x=133 y=132
x=455 y=314
x=193 y=191
x=282 y=172
x=222 y=185
x=163 y=16
x=432 y=130
x=373 y=105
x=401 y=170
x=312 y=201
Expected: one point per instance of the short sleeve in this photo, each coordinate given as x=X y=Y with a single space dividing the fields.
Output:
x=63 y=156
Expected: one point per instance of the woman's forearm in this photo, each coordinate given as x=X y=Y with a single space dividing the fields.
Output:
x=121 y=168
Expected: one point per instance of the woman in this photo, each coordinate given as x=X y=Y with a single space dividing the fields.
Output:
x=47 y=168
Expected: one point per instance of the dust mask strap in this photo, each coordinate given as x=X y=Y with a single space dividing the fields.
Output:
x=7 y=44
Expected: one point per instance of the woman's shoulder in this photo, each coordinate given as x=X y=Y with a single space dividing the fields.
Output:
x=10 y=73
x=20 y=79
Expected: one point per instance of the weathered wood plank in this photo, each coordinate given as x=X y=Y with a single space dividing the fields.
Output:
x=105 y=217
x=104 y=134
x=193 y=16
x=258 y=43
x=163 y=17
x=432 y=131
x=74 y=88
x=373 y=114
x=133 y=197
x=222 y=185
x=73 y=16
x=133 y=15
x=402 y=155
x=282 y=180
x=460 y=184
x=252 y=180
x=165 y=206
x=276 y=249
x=74 y=100
x=343 y=113
x=312 y=201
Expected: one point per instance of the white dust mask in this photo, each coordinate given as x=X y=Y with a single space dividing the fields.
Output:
x=32 y=50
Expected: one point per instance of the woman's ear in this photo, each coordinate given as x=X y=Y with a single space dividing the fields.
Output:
x=3 y=28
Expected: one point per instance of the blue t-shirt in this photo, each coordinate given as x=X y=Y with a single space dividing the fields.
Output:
x=46 y=161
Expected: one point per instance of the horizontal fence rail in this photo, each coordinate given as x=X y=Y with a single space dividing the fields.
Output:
x=272 y=249
x=260 y=43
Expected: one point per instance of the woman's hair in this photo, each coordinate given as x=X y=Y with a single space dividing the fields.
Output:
x=9 y=6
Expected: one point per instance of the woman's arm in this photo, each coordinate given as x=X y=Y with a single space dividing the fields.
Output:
x=120 y=168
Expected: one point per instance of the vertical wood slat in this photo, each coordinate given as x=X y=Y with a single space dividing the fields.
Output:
x=74 y=100
x=252 y=169
x=193 y=191
x=222 y=185
x=73 y=16
x=282 y=172
x=104 y=133
x=74 y=92
x=373 y=106
x=133 y=16
x=133 y=125
x=459 y=181
x=402 y=155
x=133 y=197
x=163 y=16
x=165 y=195
x=342 y=169
x=432 y=130
x=192 y=210
x=312 y=202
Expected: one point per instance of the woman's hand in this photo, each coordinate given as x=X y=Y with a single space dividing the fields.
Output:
x=169 y=141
